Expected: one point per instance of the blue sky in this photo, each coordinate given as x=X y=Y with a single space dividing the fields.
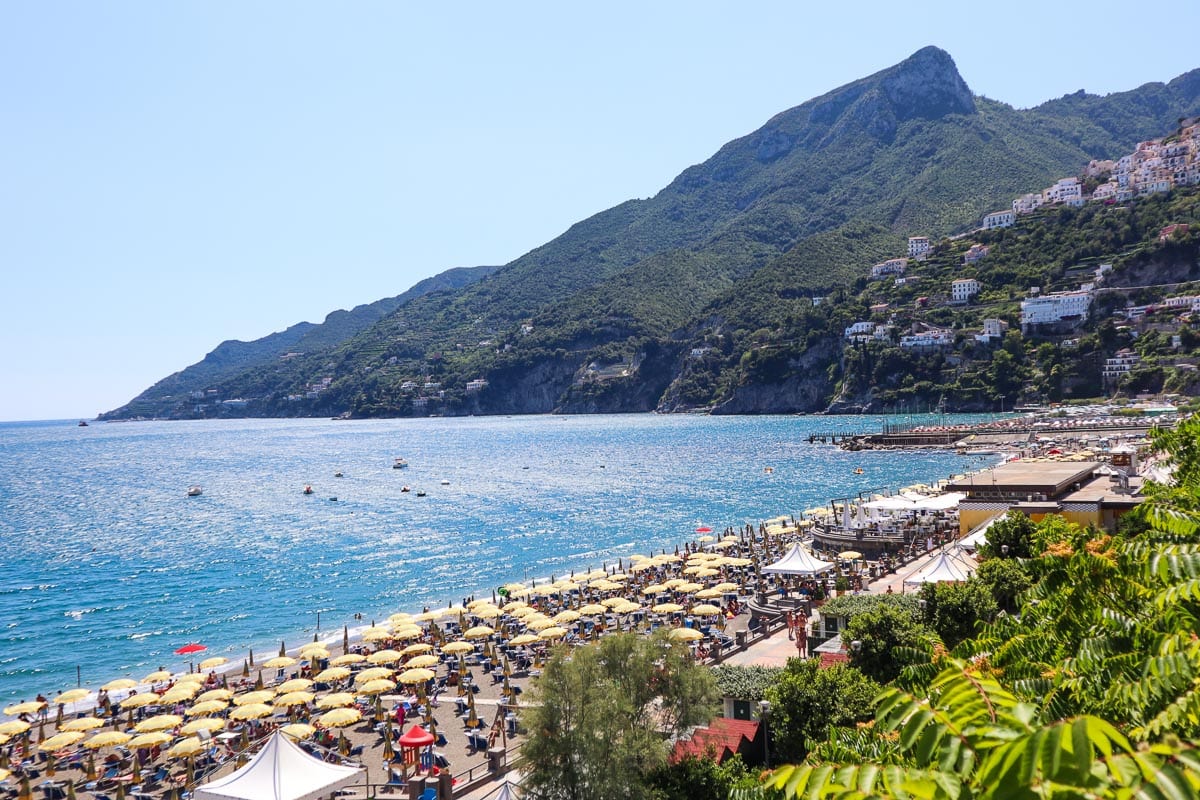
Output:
x=176 y=174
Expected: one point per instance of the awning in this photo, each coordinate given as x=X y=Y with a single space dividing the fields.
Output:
x=281 y=771
x=799 y=561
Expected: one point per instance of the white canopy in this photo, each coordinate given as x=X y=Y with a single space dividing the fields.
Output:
x=799 y=561
x=943 y=569
x=280 y=771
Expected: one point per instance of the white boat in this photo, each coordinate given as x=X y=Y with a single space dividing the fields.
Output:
x=194 y=491
x=399 y=463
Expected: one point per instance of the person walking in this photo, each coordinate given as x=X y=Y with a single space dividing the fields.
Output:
x=790 y=618
x=801 y=635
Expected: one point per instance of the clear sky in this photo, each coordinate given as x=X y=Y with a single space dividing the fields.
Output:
x=174 y=174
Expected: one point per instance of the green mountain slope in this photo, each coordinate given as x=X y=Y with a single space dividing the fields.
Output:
x=608 y=316
x=173 y=394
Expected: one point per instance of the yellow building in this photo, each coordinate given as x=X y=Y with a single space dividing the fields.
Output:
x=1086 y=493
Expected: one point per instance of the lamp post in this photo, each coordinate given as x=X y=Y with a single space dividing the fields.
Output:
x=764 y=716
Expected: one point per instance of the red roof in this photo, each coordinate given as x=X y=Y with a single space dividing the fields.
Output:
x=829 y=659
x=722 y=738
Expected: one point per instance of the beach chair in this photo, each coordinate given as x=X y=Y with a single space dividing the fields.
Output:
x=429 y=794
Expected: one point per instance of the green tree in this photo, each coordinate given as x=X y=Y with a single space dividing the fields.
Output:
x=600 y=716
x=1011 y=537
x=878 y=639
x=807 y=700
x=954 y=610
x=694 y=778
x=1005 y=579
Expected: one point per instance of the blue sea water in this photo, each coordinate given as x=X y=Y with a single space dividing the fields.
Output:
x=107 y=567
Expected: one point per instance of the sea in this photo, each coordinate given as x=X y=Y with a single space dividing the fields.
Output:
x=108 y=567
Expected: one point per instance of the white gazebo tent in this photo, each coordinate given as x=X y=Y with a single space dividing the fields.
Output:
x=943 y=569
x=799 y=561
x=281 y=771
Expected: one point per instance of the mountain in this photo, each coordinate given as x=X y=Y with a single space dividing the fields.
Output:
x=174 y=394
x=609 y=316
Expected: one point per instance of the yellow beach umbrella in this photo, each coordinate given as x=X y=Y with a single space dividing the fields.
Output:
x=347 y=659
x=333 y=674
x=153 y=739
x=298 y=730
x=157 y=676
x=706 y=610
x=215 y=694
x=107 y=739
x=187 y=747
x=207 y=724
x=294 y=685
x=478 y=632
x=119 y=684
x=566 y=617
x=4 y=773
x=251 y=711
x=524 y=639
x=162 y=722
x=60 y=740
x=408 y=632
x=458 y=647
x=206 y=708
x=417 y=675
x=553 y=633
x=667 y=608
x=419 y=647
x=250 y=698
x=709 y=594
x=385 y=657
x=726 y=586
x=377 y=686
x=422 y=661
x=539 y=624
x=336 y=700
x=214 y=662
x=72 y=696
x=279 y=662
x=28 y=707
x=653 y=588
x=297 y=698
x=592 y=609
x=180 y=693
x=139 y=700
x=339 y=717
x=685 y=635
x=82 y=724
x=376 y=634
x=372 y=673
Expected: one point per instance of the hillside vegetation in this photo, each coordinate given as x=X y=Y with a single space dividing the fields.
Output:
x=608 y=316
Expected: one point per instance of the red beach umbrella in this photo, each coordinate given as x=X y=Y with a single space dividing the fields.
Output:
x=704 y=529
x=188 y=649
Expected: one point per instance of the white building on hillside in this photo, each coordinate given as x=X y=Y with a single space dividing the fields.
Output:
x=1027 y=203
x=934 y=337
x=918 y=247
x=963 y=290
x=893 y=266
x=1056 y=307
x=1120 y=364
x=999 y=219
x=993 y=330
x=1068 y=191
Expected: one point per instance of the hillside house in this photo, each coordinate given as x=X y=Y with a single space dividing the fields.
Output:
x=963 y=289
x=919 y=247
x=993 y=331
x=477 y=385
x=974 y=253
x=1056 y=307
x=1065 y=191
x=1120 y=364
x=1176 y=229
x=927 y=339
x=1027 y=203
x=999 y=219
x=893 y=266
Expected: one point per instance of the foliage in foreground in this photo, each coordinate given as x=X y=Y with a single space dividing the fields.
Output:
x=1091 y=691
x=600 y=716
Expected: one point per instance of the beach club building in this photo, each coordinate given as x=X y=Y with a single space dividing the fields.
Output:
x=1082 y=492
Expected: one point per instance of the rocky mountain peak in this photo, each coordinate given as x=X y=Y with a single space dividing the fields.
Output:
x=926 y=84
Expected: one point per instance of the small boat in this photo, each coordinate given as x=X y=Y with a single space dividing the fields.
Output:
x=308 y=490
x=333 y=499
x=404 y=489
x=194 y=491
x=399 y=463
x=337 y=474
x=445 y=482
x=420 y=492
x=858 y=471
x=83 y=423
